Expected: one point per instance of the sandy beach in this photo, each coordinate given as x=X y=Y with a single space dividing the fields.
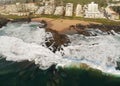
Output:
x=61 y=25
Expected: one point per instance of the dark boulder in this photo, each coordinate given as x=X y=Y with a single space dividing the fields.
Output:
x=43 y=24
x=57 y=41
x=3 y=21
x=83 y=29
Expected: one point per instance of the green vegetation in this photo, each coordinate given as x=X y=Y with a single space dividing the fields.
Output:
x=116 y=9
x=115 y=2
x=83 y=2
x=99 y=20
x=13 y=16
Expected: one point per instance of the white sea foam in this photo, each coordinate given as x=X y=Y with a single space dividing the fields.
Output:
x=28 y=32
x=15 y=49
x=20 y=42
x=100 y=52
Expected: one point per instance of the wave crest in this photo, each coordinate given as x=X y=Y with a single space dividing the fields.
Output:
x=20 y=42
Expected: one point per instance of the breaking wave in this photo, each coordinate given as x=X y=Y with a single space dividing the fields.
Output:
x=26 y=41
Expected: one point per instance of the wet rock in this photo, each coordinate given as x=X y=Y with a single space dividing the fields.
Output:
x=118 y=65
x=3 y=21
x=43 y=24
x=85 y=29
x=58 y=40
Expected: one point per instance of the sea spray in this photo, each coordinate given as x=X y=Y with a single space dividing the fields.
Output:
x=19 y=42
x=15 y=49
x=100 y=52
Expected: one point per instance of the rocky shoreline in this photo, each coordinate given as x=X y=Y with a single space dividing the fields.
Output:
x=3 y=21
x=67 y=28
x=99 y=28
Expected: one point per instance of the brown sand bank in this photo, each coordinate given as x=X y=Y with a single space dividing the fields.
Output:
x=62 y=25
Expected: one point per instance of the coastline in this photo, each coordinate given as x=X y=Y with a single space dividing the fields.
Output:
x=74 y=26
x=69 y=25
x=62 y=25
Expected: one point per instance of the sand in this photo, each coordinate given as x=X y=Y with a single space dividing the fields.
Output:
x=62 y=25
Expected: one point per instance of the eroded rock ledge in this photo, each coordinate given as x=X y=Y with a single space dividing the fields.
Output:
x=98 y=28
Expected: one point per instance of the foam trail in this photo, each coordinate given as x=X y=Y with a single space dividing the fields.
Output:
x=20 y=42
x=28 y=32
x=15 y=49
x=100 y=52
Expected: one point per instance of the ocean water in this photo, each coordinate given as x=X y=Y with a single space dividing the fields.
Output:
x=86 y=61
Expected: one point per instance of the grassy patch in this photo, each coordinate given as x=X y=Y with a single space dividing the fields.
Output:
x=83 y=2
x=99 y=20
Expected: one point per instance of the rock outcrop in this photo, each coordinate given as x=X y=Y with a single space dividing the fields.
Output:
x=58 y=40
x=95 y=29
x=3 y=21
